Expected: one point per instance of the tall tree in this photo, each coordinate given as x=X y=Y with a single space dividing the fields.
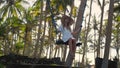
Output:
x=100 y=30
x=78 y=25
x=12 y=8
x=108 y=35
x=29 y=24
x=87 y=32
x=116 y=31
x=9 y=11
x=39 y=3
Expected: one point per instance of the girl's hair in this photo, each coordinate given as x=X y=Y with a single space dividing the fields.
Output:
x=64 y=17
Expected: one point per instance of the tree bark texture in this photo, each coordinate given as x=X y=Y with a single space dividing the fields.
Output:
x=108 y=35
x=78 y=25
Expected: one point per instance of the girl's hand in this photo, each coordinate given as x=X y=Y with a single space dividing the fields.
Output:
x=73 y=33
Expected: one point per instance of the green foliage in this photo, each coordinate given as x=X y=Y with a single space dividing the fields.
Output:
x=2 y=31
x=37 y=4
x=117 y=18
x=3 y=11
x=31 y=16
x=15 y=19
x=117 y=9
x=11 y=8
x=117 y=13
x=19 y=45
x=74 y=11
x=2 y=66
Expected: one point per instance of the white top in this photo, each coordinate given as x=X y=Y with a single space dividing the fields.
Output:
x=66 y=34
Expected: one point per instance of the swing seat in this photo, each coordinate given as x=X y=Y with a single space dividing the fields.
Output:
x=61 y=42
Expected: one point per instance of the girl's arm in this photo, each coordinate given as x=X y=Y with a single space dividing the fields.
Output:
x=59 y=29
x=75 y=32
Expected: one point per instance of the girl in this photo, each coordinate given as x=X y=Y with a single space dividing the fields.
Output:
x=67 y=35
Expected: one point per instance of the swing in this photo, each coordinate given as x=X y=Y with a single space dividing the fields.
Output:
x=61 y=42
x=58 y=41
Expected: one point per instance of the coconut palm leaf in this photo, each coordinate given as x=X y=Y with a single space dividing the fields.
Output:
x=11 y=8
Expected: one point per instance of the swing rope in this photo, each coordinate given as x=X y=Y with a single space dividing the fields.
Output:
x=54 y=24
x=52 y=15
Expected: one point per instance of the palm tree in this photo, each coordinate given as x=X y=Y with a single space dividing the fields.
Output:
x=100 y=30
x=12 y=8
x=87 y=32
x=29 y=22
x=38 y=7
x=3 y=34
x=10 y=11
x=108 y=35
x=116 y=31
x=78 y=25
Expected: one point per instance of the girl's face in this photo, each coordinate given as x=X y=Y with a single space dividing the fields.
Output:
x=66 y=20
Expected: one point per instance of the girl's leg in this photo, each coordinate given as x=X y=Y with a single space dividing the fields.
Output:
x=70 y=46
x=74 y=46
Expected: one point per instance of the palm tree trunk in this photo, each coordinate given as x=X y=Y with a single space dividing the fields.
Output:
x=87 y=32
x=42 y=40
x=101 y=22
x=6 y=47
x=39 y=33
x=80 y=17
x=43 y=37
x=117 y=43
x=78 y=25
x=108 y=35
x=56 y=48
x=50 y=40
x=64 y=53
x=27 y=47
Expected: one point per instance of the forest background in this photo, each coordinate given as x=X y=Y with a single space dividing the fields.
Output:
x=26 y=28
